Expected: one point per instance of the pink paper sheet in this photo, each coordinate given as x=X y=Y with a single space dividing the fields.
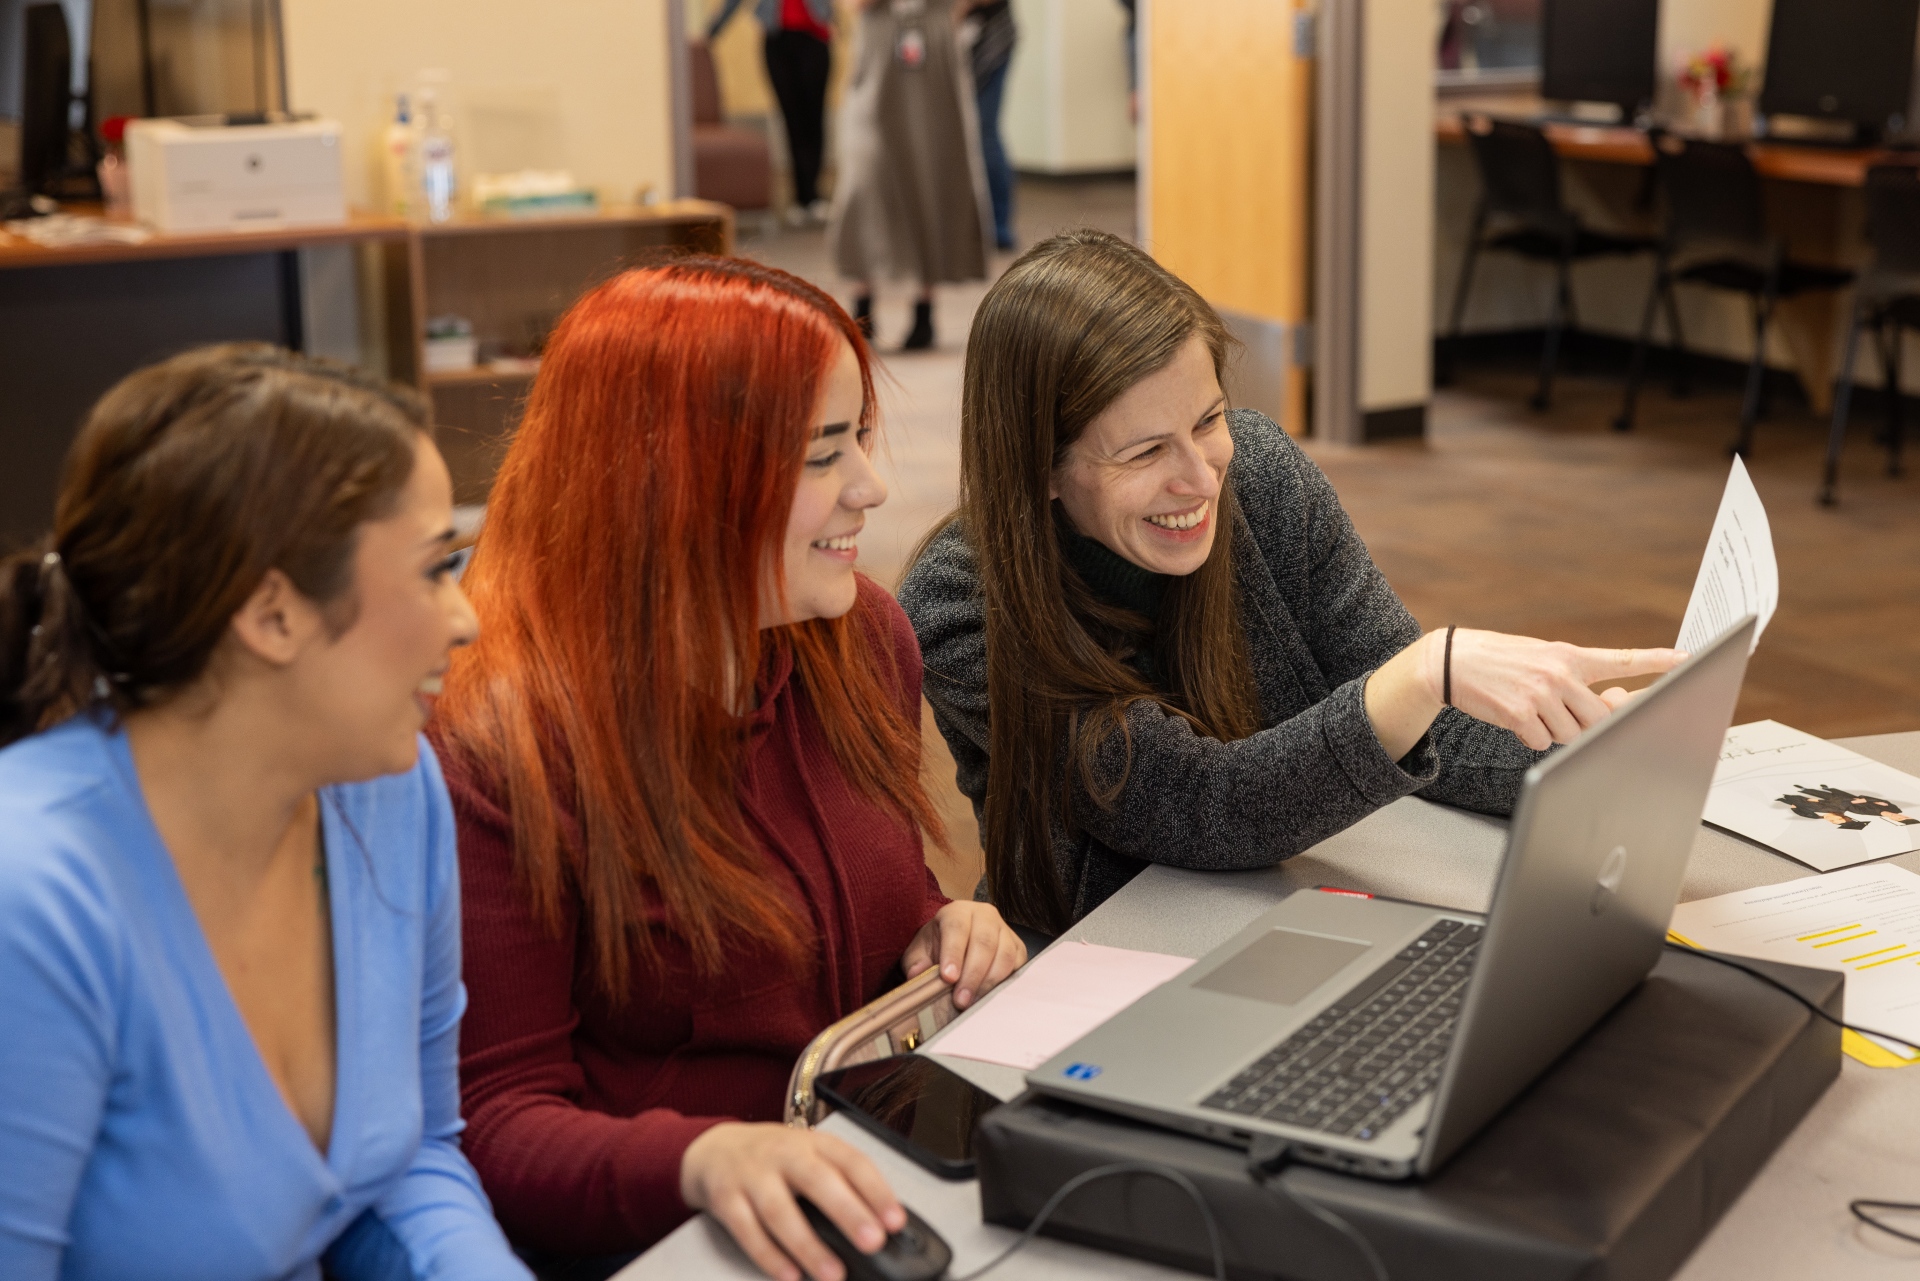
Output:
x=1060 y=996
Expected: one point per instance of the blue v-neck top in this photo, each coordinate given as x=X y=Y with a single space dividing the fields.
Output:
x=140 y=1132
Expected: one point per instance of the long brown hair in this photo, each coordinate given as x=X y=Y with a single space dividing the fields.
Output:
x=618 y=582
x=1073 y=324
x=190 y=480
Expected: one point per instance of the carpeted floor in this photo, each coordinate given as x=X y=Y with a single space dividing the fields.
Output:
x=1553 y=525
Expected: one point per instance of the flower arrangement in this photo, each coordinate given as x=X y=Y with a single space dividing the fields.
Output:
x=116 y=190
x=1719 y=87
x=1715 y=74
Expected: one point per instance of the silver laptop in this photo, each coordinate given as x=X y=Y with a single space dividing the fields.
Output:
x=1378 y=1036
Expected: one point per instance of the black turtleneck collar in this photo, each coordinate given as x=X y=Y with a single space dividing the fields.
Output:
x=1111 y=576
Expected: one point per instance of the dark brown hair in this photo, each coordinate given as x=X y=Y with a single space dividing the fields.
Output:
x=1073 y=324
x=189 y=480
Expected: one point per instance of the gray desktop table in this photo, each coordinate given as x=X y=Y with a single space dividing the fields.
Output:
x=1861 y=1140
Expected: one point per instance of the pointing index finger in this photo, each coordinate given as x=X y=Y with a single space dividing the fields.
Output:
x=1616 y=664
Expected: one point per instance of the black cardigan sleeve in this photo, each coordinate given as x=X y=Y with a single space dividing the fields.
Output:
x=1352 y=620
x=941 y=596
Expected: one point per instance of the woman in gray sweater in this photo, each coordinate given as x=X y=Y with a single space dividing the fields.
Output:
x=1151 y=634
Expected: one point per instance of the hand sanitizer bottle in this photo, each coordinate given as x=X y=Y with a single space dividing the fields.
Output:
x=399 y=156
x=436 y=158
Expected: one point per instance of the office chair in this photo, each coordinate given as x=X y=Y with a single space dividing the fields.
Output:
x=730 y=164
x=1888 y=301
x=1716 y=235
x=1520 y=192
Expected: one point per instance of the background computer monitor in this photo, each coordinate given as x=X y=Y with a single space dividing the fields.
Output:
x=186 y=58
x=133 y=58
x=43 y=69
x=1847 y=60
x=1599 y=51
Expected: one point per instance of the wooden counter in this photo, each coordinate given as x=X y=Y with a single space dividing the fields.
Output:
x=75 y=319
x=18 y=251
x=1621 y=145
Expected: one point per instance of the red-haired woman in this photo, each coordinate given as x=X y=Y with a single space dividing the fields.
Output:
x=684 y=758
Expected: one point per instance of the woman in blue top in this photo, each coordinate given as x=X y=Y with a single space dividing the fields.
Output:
x=229 y=913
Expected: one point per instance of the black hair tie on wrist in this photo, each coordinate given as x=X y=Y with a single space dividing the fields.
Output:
x=1446 y=671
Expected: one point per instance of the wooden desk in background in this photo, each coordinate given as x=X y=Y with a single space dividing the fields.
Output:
x=1619 y=145
x=18 y=251
x=511 y=280
x=1818 y=228
x=75 y=319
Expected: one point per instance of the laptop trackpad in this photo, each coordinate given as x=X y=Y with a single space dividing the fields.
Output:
x=1282 y=966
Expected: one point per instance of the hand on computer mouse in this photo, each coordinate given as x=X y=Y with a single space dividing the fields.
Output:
x=915 y=1253
x=747 y=1176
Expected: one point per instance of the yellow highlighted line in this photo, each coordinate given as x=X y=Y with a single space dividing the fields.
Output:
x=1851 y=938
x=1848 y=960
x=1910 y=956
x=1823 y=933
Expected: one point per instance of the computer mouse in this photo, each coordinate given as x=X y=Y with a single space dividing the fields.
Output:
x=914 y=1253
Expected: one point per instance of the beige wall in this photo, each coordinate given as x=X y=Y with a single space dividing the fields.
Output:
x=579 y=84
x=1688 y=26
x=1065 y=109
x=1396 y=193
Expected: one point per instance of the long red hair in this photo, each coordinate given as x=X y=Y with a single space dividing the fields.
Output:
x=618 y=580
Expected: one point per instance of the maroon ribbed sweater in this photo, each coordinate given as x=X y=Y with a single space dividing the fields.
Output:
x=578 y=1112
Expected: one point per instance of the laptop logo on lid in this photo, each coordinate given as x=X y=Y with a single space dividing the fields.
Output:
x=1082 y=1071
x=1611 y=873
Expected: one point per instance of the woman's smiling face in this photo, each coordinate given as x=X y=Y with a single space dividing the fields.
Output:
x=363 y=696
x=837 y=486
x=1144 y=477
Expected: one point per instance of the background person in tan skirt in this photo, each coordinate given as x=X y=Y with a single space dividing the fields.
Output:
x=911 y=200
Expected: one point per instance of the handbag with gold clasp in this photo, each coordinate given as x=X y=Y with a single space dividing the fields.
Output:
x=894 y=1023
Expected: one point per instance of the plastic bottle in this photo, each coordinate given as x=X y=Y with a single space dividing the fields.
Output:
x=436 y=158
x=399 y=155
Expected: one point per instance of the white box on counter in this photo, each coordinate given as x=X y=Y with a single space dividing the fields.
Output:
x=189 y=175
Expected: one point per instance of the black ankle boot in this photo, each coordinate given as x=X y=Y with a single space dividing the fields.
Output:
x=863 y=315
x=922 y=336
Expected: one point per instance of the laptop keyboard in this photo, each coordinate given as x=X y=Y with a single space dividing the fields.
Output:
x=1372 y=1055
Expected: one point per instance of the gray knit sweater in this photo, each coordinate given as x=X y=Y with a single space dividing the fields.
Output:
x=1319 y=618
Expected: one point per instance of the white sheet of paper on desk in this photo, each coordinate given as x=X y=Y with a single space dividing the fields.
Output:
x=1059 y=997
x=1864 y=922
x=1738 y=575
x=1814 y=801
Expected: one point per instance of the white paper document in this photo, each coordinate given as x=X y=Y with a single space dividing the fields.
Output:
x=1738 y=575
x=1812 y=800
x=1864 y=922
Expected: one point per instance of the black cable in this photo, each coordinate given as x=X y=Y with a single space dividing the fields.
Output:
x=1861 y=1207
x=1085 y=1177
x=1268 y=1157
x=1773 y=982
